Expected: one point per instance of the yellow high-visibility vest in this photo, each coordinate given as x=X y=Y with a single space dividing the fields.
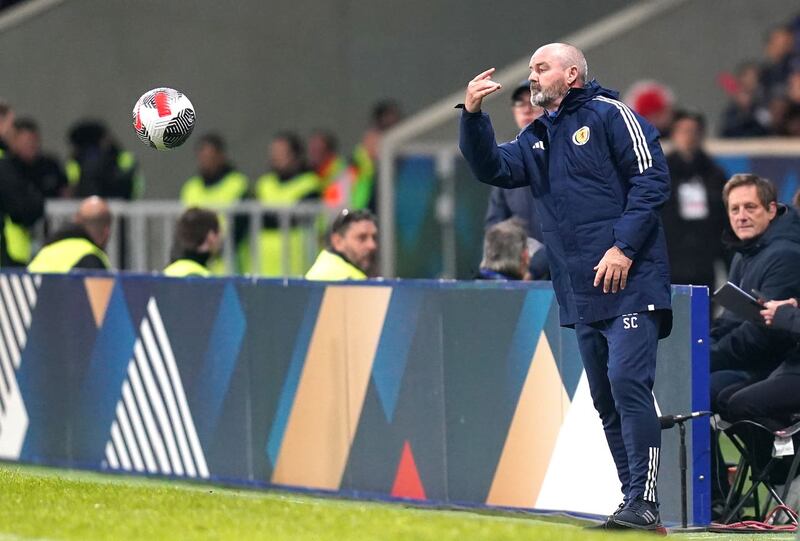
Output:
x=332 y=267
x=62 y=256
x=270 y=190
x=181 y=268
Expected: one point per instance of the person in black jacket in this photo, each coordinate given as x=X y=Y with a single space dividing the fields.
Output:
x=694 y=216
x=21 y=201
x=773 y=400
x=766 y=239
x=98 y=166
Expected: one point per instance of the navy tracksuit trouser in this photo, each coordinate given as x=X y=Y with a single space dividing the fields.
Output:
x=619 y=357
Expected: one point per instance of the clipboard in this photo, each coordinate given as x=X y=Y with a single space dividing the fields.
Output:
x=738 y=301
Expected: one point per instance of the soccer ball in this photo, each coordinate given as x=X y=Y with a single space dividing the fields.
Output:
x=163 y=118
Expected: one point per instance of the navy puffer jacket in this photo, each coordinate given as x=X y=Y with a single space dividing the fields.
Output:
x=600 y=179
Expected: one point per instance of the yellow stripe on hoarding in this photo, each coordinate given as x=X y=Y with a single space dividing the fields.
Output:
x=532 y=434
x=332 y=387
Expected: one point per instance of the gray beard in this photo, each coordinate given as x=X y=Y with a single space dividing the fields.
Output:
x=547 y=96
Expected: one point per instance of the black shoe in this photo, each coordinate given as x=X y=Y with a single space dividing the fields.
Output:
x=609 y=523
x=639 y=514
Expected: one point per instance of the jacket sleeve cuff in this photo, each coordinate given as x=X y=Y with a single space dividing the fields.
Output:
x=466 y=113
x=629 y=252
x=783 y=317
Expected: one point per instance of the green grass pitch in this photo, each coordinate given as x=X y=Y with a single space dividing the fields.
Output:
x=44 y=504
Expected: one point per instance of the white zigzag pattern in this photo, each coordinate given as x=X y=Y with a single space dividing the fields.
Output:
x=153 y=431
x=18 y=294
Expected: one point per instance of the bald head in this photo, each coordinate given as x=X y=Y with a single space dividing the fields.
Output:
x=95 y=216
x=567 y=56
x=555 y=68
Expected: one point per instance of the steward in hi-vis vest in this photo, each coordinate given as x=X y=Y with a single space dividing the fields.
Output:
x=197 y=239
x=289 y=183
x=216 y=185
x=78 y=245
x=352 y=248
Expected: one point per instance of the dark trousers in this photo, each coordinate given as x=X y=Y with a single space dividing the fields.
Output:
x=619 y=356
x=738 y=395
x=771 y=401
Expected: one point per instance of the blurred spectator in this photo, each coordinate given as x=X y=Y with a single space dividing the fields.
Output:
x=694 y=216
x=793 y=88
x=779 y=57
x=26 y=161
x=323 y=155
x=289 y=182
x=745 y=115
x=80 y=244
x=791 y=122
x=505 y=252
x=217 y=184
x=21 y=204
x=6 y=125
x=796 y=200
x=778 y=108
x=351 y=250
x=336 y=175
x=385 y=115
x=654 y=101
x=44 y=169
x=518 y=202
x=98 y=166
x=197 y=239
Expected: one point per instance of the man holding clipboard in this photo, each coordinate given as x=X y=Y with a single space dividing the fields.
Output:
x=746 y=381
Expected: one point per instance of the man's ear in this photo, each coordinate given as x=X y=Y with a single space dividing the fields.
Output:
x=772 y=210
x=336 y=242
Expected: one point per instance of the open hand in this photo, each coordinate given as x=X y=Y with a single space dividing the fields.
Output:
x=770 y=307
x=612 y=270
x=478 y=88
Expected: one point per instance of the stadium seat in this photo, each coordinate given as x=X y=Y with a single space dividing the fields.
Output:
x=743 y=435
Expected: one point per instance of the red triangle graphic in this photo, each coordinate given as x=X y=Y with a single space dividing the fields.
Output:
x=407 y=483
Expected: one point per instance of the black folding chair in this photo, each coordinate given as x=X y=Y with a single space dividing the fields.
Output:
x=749 y=467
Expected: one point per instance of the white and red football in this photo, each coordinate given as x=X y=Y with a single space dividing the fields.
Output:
x=163 y=118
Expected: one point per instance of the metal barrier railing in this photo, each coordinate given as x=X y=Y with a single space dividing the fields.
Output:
x=142 y=231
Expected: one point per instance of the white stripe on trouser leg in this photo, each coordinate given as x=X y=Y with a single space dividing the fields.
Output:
x=652 y=474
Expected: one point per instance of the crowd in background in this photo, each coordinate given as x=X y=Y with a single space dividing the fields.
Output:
x=315 y=169
x=764 y=100
x=763 y=94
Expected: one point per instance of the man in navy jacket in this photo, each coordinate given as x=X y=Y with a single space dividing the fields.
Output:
x=600 y=179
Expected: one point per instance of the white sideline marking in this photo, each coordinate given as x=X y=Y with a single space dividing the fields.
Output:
x=15 y=537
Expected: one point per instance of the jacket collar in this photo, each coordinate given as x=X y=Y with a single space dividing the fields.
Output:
x=576 y=97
